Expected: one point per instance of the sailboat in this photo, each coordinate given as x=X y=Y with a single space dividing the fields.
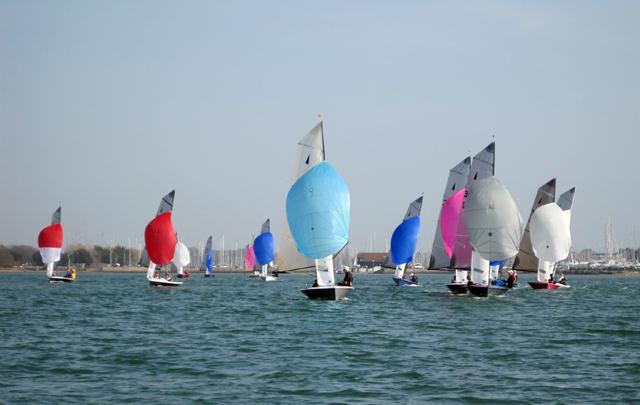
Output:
x=181 y=258
x=403 y=243
x=446 y=229
x=309 y=152
x=208 y=257
x=525 y=259
x=318 y=213
x=551 y=239
x=494 y=227
x=263 y=251
x=50 y=243
x=160 y=239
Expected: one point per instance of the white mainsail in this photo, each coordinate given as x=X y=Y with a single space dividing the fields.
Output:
x=550 y=238
x=310 y=151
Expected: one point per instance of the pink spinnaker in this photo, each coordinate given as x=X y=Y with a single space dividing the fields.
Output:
x=450 y=215
x=250 y=258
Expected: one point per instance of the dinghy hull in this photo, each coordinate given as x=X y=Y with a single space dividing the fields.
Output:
x=58 y=279
x=403 y=282
x=458 y=288
x=269 y=278
x=543 y=285
x=487 y=291
x=164 y=283
x=327 y=293
x=185 y=275
x=208 y=275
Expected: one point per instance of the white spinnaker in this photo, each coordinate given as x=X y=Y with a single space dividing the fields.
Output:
x=309 y=152
x=525 y=259
x=550 y=233
x=181 y=257
x=479 y=269
x=493 y=220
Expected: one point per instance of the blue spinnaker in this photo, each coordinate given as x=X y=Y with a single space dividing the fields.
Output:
x=318 y=206
x=209 y=262
x=263 y=248
x=404 y=240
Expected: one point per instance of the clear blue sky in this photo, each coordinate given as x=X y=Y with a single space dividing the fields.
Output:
x=108 y=105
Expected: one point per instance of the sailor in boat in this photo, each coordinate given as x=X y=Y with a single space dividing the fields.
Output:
x=563 y=279
x=348 y=278
x=274 y=273
x=469 y=281
x=551 y=280
x=414 y=278
x=511 y=280
x=454 y=279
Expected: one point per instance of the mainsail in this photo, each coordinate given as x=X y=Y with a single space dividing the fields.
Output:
x=405 y=238
x=450 y=211
x=50 y=241
x=310 y=151
x=493 y=220
x=318 y=213
x=482 y=166
x=526 y=260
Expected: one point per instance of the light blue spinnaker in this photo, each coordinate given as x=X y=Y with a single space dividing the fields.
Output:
x=318 y=206
x=404 y=240
x=263 y=248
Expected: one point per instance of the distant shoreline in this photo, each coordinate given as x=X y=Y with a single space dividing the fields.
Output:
x=142 y=270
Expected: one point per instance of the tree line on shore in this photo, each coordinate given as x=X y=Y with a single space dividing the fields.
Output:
x=96 y=256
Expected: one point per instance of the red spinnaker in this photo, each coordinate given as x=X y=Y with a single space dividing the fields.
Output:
x=51 y=237
x=160 y=239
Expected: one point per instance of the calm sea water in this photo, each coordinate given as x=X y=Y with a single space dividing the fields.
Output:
x=109 y=338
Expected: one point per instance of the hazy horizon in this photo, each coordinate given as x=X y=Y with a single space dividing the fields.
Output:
x=107 y=106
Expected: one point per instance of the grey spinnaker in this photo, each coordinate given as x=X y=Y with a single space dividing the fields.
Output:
x=493 y=220
x=526 y=260
x=456 y=182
